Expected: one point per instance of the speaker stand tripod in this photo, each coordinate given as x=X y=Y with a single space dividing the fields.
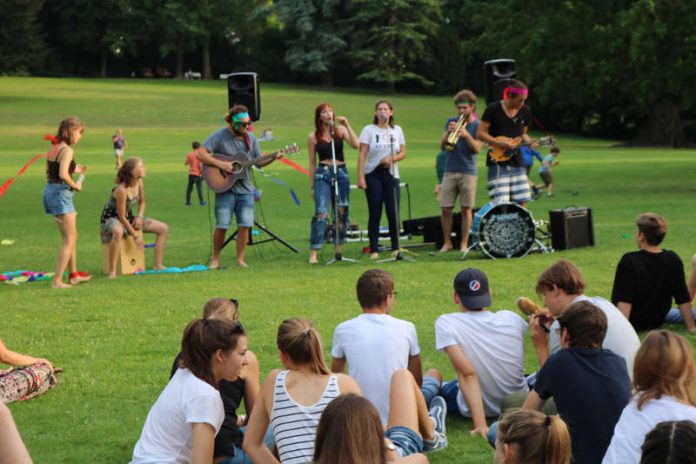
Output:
x=272 y=237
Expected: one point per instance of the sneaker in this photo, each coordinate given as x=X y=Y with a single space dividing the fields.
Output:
x=549 y=194
x=438 y=413
x=188 y=204
x=203 y=203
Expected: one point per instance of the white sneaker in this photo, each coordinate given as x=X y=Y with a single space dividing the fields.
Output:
x=437 y=413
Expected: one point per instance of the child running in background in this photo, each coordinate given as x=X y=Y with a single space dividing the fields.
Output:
x=194 y=175
x=119 y=144
x=545 y=171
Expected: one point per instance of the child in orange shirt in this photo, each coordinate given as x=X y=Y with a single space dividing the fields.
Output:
x=194 y=175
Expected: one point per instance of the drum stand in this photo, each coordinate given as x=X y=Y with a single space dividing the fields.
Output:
x=338 y=257
x=542 y=238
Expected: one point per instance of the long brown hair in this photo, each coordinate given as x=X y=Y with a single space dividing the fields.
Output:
x=318 y=124
x=540 y=438
x=202 y=338
x=375 y=120
x=664 y=365
x=350 y=432
x=125 y=172
x=66 y=128
x=299 y=340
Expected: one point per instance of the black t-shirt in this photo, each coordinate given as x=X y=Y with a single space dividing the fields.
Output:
x=649 y=281
x=590 y=387
x=501 y=124
x=232 y=394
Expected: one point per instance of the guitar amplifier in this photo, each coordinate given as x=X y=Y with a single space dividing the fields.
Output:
x=571 y=228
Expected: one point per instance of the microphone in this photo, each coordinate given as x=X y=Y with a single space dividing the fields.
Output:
x=383 y=116
x=331 y=127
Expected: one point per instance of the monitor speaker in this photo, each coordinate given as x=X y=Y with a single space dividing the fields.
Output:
x=498 y=73
x=243 y=89
x=571 y=228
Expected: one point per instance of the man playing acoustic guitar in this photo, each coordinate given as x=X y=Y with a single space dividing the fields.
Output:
x=504 y=127
x=231 y=140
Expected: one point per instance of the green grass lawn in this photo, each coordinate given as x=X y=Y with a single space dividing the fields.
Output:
x=116 y=338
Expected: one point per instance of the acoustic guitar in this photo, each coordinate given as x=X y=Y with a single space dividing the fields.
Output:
x=500 y=154
x=219 y=180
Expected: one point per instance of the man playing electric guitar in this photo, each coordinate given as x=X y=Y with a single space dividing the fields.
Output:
x=507 y=178
x=230 y=140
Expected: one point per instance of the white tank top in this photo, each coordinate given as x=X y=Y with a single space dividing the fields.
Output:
x=294 y=425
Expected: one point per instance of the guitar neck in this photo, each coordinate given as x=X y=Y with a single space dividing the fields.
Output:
x=254 y=161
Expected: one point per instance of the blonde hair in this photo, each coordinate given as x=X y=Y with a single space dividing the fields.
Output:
x=664 y=365
x=540 y=438
x=300 y=341
x=221 y=308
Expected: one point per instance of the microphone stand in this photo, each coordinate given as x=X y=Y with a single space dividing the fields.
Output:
x=397 y=255
x=338 y=257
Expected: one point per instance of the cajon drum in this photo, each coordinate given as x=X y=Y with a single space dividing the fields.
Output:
x=130 y=258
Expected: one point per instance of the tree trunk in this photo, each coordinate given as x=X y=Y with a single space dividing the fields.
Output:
x=180 y=60
x=389 y=88
x=102 y=66
x=325 y=79
x=664 y=126
x=207 y=71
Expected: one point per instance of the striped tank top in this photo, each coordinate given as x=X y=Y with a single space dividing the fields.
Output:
x=294 y=425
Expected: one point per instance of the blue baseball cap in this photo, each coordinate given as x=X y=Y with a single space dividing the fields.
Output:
x=471 y=286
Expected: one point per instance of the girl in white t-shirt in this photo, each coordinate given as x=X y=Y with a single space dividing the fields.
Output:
x=293 y=399
x=183 y=422
x=664 y=377
x=382 y=145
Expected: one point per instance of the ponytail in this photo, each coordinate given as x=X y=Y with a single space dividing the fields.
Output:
x=202 y=338
x=300 y=341
x=558 y=441
x=540 y=438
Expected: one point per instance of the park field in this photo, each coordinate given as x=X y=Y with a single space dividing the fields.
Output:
x=116 y=339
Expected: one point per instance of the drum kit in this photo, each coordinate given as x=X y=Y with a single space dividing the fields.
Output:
x=508 y=230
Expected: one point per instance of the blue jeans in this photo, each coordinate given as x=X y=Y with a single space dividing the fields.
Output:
x=240 y=457
x=58 y=199
x=380 y=192
x=194 y=180
x=674 y=316
x=324 y=195
x=430 y=389
x=241 y=204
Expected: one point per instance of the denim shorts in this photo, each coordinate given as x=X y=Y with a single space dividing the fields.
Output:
x=406 y=440
x=58 y=199
x=241 y=204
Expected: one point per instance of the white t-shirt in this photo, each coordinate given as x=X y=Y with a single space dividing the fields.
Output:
x=494 y=344
x=375 y=346
x=634 y=425
x=621 y=337
x=167 y=433
x=380 y=144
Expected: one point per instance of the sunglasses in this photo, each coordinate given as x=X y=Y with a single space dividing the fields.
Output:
x=243 y=124
x=235 y=302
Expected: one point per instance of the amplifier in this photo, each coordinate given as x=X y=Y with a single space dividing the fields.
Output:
x=571 y=228
x=431 y=230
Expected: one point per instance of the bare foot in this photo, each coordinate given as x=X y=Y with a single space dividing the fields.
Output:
x=242 y=264
x=59 y=284
x=313 y=258
x=214 y=264
x=76 y=279
x=159 y=267
x=446 y=247
x=112 y=275
x=374 y=256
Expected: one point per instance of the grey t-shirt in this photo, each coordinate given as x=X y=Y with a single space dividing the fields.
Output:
x=223 y=142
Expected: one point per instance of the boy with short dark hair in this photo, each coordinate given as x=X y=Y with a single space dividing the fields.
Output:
x=589 y=385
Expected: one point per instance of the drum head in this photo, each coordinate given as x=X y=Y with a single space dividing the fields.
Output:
x=505 y=230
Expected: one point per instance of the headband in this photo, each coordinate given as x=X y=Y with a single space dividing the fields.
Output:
x=236 y=118
x=514 y=90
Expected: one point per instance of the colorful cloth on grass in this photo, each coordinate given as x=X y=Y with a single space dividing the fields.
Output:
x=22 y=383
x=175 y=270
x=21 y=277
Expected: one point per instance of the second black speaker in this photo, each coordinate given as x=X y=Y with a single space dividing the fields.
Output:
x=498 y=76
x=243 y=89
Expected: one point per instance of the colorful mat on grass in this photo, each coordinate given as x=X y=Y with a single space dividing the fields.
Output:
x=175 y=270
x=22 y=277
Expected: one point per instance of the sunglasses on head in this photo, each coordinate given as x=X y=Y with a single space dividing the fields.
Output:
x=235 y=302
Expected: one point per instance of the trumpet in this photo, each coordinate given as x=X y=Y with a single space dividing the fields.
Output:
x=453 y=137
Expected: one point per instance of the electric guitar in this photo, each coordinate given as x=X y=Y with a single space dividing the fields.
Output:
x=500 y=154
x=219 y=180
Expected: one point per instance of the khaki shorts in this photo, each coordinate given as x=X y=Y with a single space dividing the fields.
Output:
x=457 y=183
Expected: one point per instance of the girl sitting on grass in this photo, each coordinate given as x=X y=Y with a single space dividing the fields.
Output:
x=528 y=436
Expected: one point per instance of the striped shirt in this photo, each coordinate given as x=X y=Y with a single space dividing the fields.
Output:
x=295 y=425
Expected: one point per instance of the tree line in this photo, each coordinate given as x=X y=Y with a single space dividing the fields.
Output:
x=618 y=68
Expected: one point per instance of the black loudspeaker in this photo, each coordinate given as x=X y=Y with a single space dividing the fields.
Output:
x=431 y=229
x=571 y=228
x=243 y=89
x=498 y=75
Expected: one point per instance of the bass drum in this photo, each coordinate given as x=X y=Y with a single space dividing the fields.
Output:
x=503 y=230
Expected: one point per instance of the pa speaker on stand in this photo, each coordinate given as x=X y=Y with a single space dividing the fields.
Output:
x=499 y=73
x=243 y=89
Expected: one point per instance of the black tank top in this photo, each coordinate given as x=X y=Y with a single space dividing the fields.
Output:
x=324 y=150
x=53 y=169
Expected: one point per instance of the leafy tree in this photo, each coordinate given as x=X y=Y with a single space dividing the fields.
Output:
x=21 y=46
x=391 y=36
x=218 y=19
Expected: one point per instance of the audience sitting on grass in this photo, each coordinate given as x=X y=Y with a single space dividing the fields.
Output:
x=589 y=385
x=350 y=432
x=228 y=441
x=29 y=377
x=485 y=348
x=375 y=344
x=670 y=443
x=12 y=449
x=647 y=280
x=183 y=422
x=665 y=383
x=526 y=436
x=293 y=399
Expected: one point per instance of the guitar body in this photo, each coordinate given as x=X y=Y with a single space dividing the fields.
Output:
x=500 y=154
x=220 y=181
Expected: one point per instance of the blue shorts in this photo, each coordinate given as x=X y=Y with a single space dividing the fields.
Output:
x=242 y=204
x=407 y=441
x=58 y=199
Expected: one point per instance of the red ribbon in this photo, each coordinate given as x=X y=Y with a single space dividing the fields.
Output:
x=7 y=184
x=295 y=166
